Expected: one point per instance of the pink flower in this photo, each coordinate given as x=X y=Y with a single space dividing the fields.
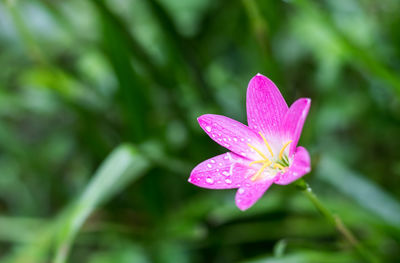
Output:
x=262 y=153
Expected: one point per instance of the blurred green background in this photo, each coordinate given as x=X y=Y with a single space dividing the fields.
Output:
x=98 y=130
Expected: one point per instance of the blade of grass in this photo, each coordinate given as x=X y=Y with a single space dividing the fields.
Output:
x=136 y=50
x=133 y=93
x=124 y=165
x=364 y=58
x=157 y=73
x=182 y=49
x=356 y=186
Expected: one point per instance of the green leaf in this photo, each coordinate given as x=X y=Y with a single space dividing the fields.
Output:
x=306 y=257
x=358 y=187
x=123 y=166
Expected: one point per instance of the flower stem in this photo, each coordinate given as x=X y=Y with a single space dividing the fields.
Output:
x=336 y=221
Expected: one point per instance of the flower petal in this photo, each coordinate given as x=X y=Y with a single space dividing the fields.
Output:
x=294 y=121
x=266 y=107
x=224 y=171
x=250 y=192
x=301 y=165
x=231 y=134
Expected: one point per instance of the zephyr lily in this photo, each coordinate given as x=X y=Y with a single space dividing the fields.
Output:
x=262 y=153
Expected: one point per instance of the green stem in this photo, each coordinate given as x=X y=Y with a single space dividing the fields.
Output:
x=336 y=221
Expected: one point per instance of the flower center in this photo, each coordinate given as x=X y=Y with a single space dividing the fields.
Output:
x=280 y=165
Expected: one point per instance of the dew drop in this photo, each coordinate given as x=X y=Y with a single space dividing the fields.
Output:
x=212 y=161
x=234 y=139
x=225 y=173
x=241 y=191
x=228 y=181
x=209 y=180
x=209 y=165
x=208 y=128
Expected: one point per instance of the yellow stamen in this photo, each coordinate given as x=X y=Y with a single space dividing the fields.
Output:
x=259 y=172
x=266 y=143
x=277 y=165
x=260 y=161
x=283 y=149
x=258 y=151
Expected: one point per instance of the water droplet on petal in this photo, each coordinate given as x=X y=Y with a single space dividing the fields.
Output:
x=241 y=191
x=209 y=180
x=212 y=161
x=208 y=128
x=225 y=173
x=228 y=181
x=209 y=165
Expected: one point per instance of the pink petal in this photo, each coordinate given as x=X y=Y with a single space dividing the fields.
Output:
x=224 y=171
x=266 y=107
x=250 y=192
x=231 y=134
x=293 y=122
x=301 y=165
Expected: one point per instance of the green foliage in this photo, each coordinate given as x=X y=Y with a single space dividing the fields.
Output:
x=124 y=81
